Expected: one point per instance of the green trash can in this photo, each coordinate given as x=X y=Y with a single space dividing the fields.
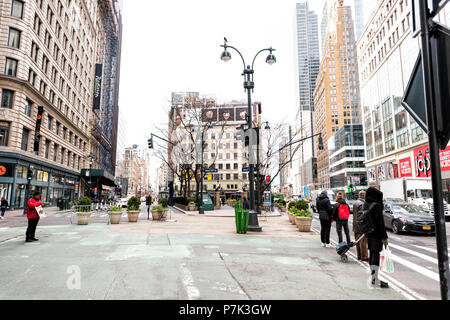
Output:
x=238 y=216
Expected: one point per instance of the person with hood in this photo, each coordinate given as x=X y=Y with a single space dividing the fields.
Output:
x=361 y=248
x=325 y=211
x=378 y=237
x=33 y=216
x=246 y=204
x=341 y=213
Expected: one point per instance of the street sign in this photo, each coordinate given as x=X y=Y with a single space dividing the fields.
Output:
x=438 y=5
x=211 y=170
x=248 y=169
x=414 y=99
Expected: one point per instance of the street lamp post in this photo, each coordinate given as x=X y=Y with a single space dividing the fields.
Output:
x=249 y=85
x=201 y=208
x=91 y=161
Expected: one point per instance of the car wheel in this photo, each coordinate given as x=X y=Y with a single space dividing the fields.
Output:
x=395 y=227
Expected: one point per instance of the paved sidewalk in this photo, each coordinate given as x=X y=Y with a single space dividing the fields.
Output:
x=225 y=211
x=197 y=257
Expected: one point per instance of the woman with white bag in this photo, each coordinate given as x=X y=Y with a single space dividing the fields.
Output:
x=378 y=237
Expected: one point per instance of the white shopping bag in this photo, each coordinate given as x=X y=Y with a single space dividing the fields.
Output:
x=386 y=262
x=40 y=212
x=383 y=262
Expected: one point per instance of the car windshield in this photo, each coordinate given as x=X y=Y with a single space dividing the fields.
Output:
x=421 y=193
x=410 y=209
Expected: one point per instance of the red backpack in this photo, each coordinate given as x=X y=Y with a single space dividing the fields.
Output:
x=344 y=212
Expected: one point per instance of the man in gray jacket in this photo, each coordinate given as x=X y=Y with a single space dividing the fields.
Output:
x=361 y=247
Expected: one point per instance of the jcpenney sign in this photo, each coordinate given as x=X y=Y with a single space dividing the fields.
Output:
x=423 y=164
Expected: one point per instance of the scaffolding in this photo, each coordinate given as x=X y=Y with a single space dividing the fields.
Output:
x=104 y=119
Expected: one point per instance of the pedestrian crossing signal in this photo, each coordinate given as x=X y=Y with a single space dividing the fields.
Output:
x=321 y=147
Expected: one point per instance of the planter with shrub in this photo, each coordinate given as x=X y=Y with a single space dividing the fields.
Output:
x=192 y=206
x=303 y=220
x=159 y=213
x=84 y=210
x=115 y=214
x=133 y=209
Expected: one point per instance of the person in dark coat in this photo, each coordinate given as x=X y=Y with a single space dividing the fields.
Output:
x=325 y=211
x=376 y=239
x=33 y=216
x=4 y=206
x=361 y=248
x=341 y=223
x=246 y=205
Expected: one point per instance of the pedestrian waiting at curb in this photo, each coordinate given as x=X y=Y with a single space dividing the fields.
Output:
x=4 y=206
x=378 y=237
x=325 y=215
x=361 y=248
x=33 y=216
x=341 y=213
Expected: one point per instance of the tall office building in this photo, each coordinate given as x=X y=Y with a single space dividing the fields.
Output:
x=336 y=95
x=363 y=10
x=308 y=59
x=323 y=26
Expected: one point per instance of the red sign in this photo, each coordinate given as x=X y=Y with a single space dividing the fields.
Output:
x=268 y=178
x=76 y=186
x=423 y=163
x=405 y=167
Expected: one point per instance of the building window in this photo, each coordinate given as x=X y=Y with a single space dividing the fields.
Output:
x=55 y=152
x=4 y=133
x=47 y=148
x=27 y=107
x=17 y=9
x=14 y=38
x=7 y=98
x=62 y=155
x=25 y=138
x=11 y=67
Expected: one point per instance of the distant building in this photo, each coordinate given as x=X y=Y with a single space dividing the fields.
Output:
x=346 y=159
x=336 y=96
x=308 y=59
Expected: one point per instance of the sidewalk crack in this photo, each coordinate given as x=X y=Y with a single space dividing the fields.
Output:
x=234 y=278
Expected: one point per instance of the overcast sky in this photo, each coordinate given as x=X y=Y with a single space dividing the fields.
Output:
x=174 y=45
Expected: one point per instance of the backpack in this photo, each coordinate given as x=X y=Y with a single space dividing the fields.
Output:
x=365 y=223
x=343 y=212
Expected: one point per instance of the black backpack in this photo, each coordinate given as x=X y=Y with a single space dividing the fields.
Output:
x=365 y=223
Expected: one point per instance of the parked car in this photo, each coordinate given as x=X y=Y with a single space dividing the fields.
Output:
x=122 y=202
x=408 y=217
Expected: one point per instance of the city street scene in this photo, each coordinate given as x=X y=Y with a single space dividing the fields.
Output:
x=239 y=150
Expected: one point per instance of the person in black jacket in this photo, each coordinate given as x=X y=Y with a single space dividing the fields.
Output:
x=341 y=222
x=325 y=212
x=4 y=206
x=376 y=239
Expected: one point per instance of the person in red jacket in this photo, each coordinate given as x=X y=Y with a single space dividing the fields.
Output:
x=33 y=216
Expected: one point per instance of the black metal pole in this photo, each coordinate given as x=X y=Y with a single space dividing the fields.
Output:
x=201 y=209
x=258 y=179
x=436 y=177
x=253 y=224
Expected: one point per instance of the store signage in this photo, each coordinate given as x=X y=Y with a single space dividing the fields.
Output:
x=98 y=86
x=423 y=163
x=405 y=168
x=6 y=170
x=2 y=170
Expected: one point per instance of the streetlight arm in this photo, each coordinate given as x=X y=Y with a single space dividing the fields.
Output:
x=227 y=46
x=253 y=63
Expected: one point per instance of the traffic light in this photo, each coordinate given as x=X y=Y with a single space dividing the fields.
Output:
x=321 y=147
x=150 y=143
x=30 y=175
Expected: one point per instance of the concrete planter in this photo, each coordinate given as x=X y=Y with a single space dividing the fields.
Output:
x=114 y=216
x=83 y=218
x=283 y=209
x=192 y=208
x=158 y=215
x=292 y=219
x=303 y=223
x=133 y=216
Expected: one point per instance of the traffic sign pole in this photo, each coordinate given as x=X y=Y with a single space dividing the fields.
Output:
x=436 y=177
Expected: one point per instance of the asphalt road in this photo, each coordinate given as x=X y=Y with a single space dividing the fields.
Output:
x=415 y=260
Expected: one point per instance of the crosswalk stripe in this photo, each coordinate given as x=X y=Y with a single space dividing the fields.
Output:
x=417 y=268
x=414 y=253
